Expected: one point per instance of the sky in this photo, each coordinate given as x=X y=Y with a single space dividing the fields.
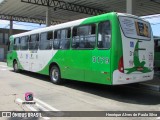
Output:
x=20 y=25
x=153 y=19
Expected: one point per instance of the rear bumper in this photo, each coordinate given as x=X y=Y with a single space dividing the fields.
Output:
x=121 y=78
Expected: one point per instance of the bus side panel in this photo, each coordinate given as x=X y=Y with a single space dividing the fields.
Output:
x=74 y=64
x=9 y=59
x=101 y=63
x=11 y=55
x=46 y=58
x=70 y=63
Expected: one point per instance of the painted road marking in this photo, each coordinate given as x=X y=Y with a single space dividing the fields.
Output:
x=32 y=108
x=45 y=104
x=3 y=66
x=3 y=69
x=42 y=108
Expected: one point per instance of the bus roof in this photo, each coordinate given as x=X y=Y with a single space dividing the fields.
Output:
x=88 y=20
x=60 y=26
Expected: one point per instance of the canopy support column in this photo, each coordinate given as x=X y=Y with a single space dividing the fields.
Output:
x=48 y=19
x=130 y=6
x=11 y=27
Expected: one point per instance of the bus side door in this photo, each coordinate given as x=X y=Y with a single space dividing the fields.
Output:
x=101 y=63
x=100 y=67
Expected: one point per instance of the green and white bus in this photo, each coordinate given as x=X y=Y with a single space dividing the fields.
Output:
x=157 y=54
x=112 y=48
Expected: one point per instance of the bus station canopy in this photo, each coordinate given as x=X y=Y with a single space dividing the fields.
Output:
x=59 y=11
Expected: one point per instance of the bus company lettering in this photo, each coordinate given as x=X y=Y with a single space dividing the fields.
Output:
x=31 y=57
x=33 y=51
x=21 y=56
x=26 y=56
x=150 y=56
x=100 y=60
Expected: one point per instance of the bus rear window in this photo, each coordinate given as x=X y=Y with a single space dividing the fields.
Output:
x=135 y=28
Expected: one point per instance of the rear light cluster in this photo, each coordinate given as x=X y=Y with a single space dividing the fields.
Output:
x=120 y=65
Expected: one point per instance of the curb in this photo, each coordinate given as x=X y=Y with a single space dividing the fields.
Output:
x=149 y=87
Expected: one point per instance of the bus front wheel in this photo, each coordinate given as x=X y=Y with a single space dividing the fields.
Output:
x=55 y=75
x=15 y=66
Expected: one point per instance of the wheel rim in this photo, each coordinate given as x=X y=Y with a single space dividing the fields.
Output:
x=55 y=75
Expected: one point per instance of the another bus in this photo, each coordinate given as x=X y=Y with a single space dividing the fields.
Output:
x=112 y=48
x=157 y=54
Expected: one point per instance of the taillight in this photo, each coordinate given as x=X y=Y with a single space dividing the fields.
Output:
x=120 y=65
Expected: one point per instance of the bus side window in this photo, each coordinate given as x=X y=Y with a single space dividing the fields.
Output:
x=56 y=41
x=34 y=42
x=104 y=35
x=65 y=38
x=84 y=37
x=62 y=39
x=16 y=43
x=75 y=38
x=46 y=40
x=24 y=43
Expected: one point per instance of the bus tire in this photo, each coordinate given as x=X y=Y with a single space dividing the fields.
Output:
x=15 y=67
x=55 y=75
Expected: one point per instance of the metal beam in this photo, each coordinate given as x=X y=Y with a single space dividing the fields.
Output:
x=11 y=27
x=25 y=19
x=66 y=6
x=155 y=1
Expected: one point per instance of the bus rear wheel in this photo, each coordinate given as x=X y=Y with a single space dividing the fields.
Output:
x=55 y=75
x=15 y=67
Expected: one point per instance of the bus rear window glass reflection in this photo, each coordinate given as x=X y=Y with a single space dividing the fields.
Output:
x=84 y=37
x=104 y=35
x=62 y=39
x=34 y=41
x=16 y=43
x=24 y=43
x=46 y=41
